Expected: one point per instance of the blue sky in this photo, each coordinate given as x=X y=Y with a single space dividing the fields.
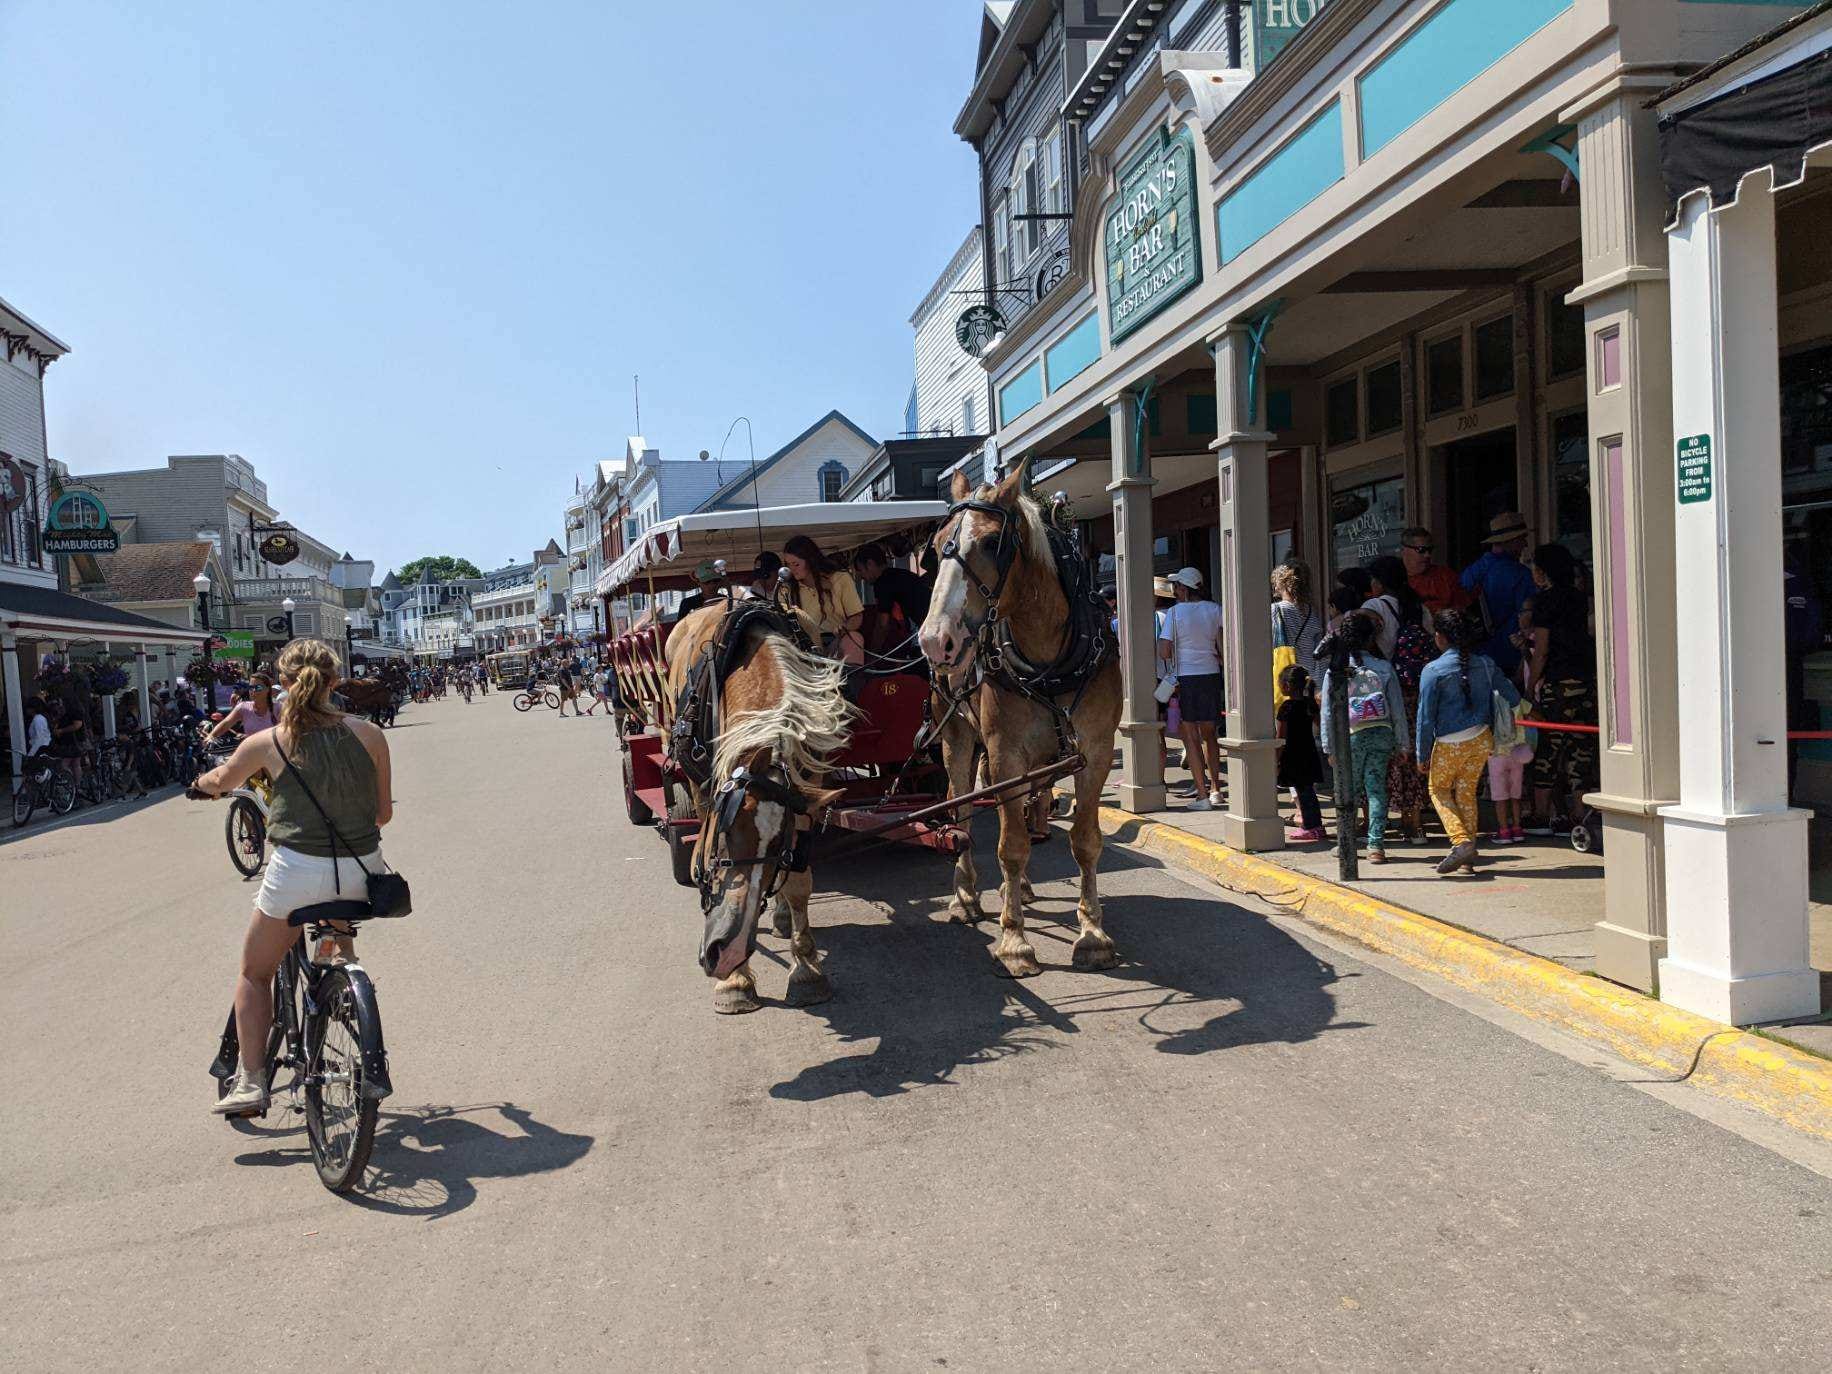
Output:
x=406 y=257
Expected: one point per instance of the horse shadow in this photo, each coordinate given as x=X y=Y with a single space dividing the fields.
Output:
x=931 y=997
x=427 y=1160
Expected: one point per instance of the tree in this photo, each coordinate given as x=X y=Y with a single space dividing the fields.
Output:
x=445 y=568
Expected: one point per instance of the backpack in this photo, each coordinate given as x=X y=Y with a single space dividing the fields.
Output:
x=1367 y=698
x=1412 y=650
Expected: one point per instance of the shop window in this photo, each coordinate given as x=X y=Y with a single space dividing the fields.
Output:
x=1609 y=358
x=1383 y=398
x=1571 y=483
x=1366 y=521
x=1278 y=409
x=1564 y=337
x=1444 y=375
x=1495 y=358
x=1199 y=414
x=1341 y=414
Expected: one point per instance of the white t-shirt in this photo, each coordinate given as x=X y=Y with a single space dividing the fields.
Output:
x=1193 y=630
x=37 y=735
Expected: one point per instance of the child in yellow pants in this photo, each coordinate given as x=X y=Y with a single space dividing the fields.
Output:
x=1458 y=692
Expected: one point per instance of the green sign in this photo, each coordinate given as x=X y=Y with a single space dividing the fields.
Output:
x=1153 y=255
x=1276 y=23
x=240 y=645
x=78 y=523
x=1694 y=476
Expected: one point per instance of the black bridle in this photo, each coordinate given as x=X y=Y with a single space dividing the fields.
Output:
x=788 y=852
x=1004 y=555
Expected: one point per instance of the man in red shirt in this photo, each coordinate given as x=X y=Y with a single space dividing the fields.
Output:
x=1438 y=586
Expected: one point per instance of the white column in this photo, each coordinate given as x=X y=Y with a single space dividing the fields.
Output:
x=1736 y=854
x=1249 y=742
x=143 y=671
x=15 y=704
x=1141 y=784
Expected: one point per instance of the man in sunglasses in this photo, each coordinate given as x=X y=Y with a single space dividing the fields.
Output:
x=1438 y=586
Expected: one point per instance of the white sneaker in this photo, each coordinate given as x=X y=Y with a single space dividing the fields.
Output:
x=1215 y=797
x=1200 y=804
x=247 y=1094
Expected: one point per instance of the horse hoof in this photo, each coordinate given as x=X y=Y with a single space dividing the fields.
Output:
x=808 y=988
x=963 y=915
x=1029 y=892
x=1095 y=952
x=734 y=1001
x=782 y=923
x=1019 y=961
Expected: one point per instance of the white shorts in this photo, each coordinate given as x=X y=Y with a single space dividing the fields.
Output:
x=293 y=880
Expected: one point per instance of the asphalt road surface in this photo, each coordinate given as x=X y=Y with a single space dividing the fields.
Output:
x=1244 y=1148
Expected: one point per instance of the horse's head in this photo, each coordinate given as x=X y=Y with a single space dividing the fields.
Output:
x=760 y=820
x=975 y=548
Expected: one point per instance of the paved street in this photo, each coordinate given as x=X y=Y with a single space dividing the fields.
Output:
x=1244 y=1148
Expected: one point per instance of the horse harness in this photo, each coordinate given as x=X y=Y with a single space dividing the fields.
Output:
x=788 y=851
x=696 y=724
x=997 y=659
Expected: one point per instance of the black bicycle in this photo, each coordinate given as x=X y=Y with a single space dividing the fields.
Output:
x=328 y=1032
x=46 y=782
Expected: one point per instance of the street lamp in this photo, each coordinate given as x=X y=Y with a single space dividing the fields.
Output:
x=202 y=585
x=289 y=606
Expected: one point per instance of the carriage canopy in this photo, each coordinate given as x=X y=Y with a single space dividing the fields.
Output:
x=668 y=553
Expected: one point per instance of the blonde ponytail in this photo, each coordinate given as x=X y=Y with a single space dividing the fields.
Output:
x=310 y=669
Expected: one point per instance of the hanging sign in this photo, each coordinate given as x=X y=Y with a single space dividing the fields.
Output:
x=1276 y=23
x=1051 y=273
x=14 y=487
x=977 y=327
x=1693 y=478
x=276 y=624
x=279 y=548
x=1153 y=253
x=237 y=644
x=78 y=523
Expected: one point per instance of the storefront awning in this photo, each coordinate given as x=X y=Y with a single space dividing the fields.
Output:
x=1767 y=106
x=45 y=613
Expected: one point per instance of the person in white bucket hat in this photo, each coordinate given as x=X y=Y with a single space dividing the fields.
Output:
x=1190 y=642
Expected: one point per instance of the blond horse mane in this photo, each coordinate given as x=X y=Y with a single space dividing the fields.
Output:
x=808 y=721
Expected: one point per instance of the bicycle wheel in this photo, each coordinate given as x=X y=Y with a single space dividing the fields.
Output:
x=339 y=1115
x=25 y=802
x=523 y=702
x=247 y=836
x=551 y=700
x=63 y=792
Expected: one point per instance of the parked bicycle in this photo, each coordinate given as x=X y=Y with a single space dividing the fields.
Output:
x=46 y=782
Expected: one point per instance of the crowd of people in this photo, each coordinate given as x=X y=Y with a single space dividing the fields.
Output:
x=1447 y=676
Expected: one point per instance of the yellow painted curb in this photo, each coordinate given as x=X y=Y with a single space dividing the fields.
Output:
x=1776 y=1079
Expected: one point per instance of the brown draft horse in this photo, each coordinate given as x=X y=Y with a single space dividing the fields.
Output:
x=996 y=565
x=780 y=717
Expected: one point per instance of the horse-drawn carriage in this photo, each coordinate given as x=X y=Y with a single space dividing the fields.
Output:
x=740 y=742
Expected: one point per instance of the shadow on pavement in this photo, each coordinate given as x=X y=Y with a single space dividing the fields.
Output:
x=930 y=995
x=427 y=1160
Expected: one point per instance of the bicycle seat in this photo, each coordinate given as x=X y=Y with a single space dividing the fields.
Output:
x=348 y=909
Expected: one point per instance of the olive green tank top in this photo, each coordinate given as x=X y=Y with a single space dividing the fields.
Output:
x=342 y=777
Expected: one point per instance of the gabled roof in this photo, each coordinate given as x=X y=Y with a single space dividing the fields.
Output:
x=391 y=583
x=751 y=473
x=154 y=572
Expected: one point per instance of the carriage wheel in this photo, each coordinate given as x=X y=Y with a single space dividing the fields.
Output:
x=640 y=814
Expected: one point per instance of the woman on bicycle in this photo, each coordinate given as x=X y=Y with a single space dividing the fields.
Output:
x=342 y=761
x=252 y=716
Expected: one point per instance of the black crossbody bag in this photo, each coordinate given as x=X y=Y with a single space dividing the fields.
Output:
x=389 y=894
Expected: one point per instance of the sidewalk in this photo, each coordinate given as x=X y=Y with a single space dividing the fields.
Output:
x=1541 y=897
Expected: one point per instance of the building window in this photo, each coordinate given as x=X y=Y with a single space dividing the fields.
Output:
x=1341 y=417
x=1001 y=239
x=1564 y=337
x=832 y=478
x=1495 y=358
x=1383 y=398
x=967 y=415
x=1444 y=375
x=1053 y=200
